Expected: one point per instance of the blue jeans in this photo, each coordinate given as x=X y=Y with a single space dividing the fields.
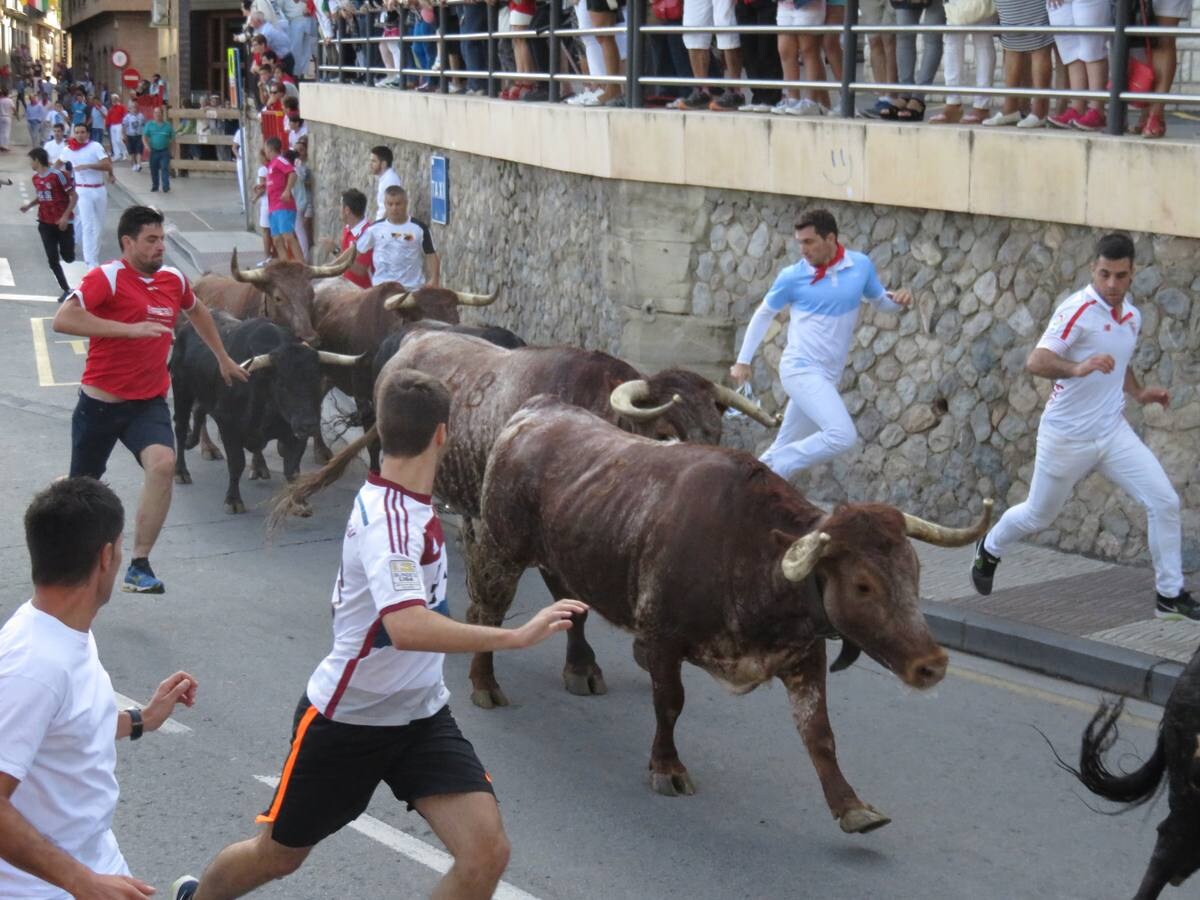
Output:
x=472 y=19
x=160 y=169
x=425 y=52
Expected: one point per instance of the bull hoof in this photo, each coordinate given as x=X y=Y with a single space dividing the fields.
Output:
x=260 y=473
x=585 y=683
x=672 y=784
x=322 y=454
x=183 y=478
x=640 y=656
x=210 y=453
x=301 y=509
x=233 y=507
x=489 y=698
x=862 y=819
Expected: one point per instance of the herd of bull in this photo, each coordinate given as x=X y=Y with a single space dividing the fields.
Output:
x=608 y=481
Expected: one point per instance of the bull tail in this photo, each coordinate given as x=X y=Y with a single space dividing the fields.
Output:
x=1131 y=789
x=296 y=493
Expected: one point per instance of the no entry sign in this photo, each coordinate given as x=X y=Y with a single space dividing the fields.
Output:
x=131 y=78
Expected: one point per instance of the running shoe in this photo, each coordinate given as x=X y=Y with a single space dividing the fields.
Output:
x=1177 y=609
x=1065 y=119
x=784 y=107
x=184 y=888
x=1001 y=118
x=139 y=580
x=983 y=570
x=727 y=102
x=1032 y=121
x=697 y=99
x=1092 y=120
x=805 y=107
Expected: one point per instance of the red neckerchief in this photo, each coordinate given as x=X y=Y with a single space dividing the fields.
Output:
x=822 y=270
x=75 y=145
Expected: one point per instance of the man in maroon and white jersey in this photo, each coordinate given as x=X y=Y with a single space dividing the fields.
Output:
x=1086 y=350
x=54 y=196
x=375 y=710
x=128 y=308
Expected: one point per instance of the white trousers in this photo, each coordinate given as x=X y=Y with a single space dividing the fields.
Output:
x=1122 y=458
x=89 y=217
x=985 y=64
x=116 y=134
x=591 y=46
x=816 y=426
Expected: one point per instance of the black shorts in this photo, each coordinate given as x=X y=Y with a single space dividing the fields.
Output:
x=334 y=768
x=96 y=427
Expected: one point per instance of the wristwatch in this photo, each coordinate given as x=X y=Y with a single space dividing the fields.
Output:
x=135 y=721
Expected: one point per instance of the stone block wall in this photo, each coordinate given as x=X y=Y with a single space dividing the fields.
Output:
x=945 y=412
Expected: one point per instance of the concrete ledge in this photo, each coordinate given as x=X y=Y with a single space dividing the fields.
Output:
x=1092 y=663
x=1093 y=180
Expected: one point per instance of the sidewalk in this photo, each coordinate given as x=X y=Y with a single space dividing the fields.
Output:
x=1067 y=616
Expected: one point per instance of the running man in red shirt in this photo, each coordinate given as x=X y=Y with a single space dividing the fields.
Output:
x=54 y=196
x=354 y=222
x=128 y=308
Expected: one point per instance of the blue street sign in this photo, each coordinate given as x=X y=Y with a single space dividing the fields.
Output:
x=439 y=190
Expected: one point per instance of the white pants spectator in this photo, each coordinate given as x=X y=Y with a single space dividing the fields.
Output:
x=1081 y=47
x=591 y=46
x=816 y=426
x=1123 y=459
x=116 y=134
x=985 y=65
x=89 y=220
x=303 y=33
x=699 y=13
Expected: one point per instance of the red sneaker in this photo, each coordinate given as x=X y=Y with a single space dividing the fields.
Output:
x=1065 y=119
x=1092 y=120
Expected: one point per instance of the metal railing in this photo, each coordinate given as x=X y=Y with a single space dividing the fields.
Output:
x=1116 y=96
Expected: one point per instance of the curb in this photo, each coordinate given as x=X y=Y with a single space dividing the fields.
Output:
x=1091 y=663
x=179 y=247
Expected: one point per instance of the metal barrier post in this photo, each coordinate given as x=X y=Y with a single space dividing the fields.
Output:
x=400 y=63
x=554 y=86
x=849 y=58
x=1118 y=68
x=493 y=15
x=634 y=14
x=443 y=55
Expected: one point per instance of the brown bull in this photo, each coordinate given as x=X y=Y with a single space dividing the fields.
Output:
x=488 y=384
x=707 y=556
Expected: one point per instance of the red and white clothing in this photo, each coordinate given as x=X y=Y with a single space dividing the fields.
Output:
x=93 y=196
x=116 y=129
x=399 y=252
x=53 y=191
x=393 y=557
x=350 y=236
x=278 y=171
x=1083 y=429
x=132 y=369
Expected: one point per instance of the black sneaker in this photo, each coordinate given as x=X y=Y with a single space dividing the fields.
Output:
x=537 y=95
x=983 y=570
x=184 y=888
x=730 y=100
x=697 y=99
x=1177 y=609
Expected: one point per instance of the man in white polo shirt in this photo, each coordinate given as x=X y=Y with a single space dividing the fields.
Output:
x=401 y=246
x=1086 y=350
x=91 y=167
x=381 y=168
x=58 y=714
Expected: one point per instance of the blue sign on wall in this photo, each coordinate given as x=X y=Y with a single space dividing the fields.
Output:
x=439 y=190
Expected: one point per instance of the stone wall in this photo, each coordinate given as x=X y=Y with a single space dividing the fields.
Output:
x=668 y=275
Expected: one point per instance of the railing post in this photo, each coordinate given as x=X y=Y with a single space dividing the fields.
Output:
x=493 y=14
x=1118 y=68
x=552 y=86
x=849 y=58
x=634 y=10
x=443 y=56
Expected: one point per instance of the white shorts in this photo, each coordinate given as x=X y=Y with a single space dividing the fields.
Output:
x=1081 y=47
x=811 y=13
x=1175 y=9
x=698 y=13
x=264 y=217
x=876 y=12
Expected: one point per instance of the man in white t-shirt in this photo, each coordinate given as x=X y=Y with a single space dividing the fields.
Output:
x=91 y=168
x=57 y=143
x=375 y=710
x=381 y=167
x=1086 y=349
x=58 y=715
x=401 y=246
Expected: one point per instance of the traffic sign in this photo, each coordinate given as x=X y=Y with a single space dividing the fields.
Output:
x=439 y=193
x=120 y=59
x=131 y=78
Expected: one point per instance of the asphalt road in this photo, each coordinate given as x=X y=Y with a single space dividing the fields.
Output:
x=980 y=809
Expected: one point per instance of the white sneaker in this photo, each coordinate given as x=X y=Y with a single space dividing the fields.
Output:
x=785 y=106
x=590 y=99
x=1001 y=118
x=756 y=107
x=805 y=107
x=1032 y=121
x=581 y=98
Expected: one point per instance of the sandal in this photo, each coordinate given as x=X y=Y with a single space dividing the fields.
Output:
x=951 y=114
x=1155 y=127
x=891 y=113
x=908 y=114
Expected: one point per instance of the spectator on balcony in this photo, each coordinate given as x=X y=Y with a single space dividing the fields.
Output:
x=302 y=33
x=796 y=47
x=1026 y=59
x=472 y=19
x=390 y=50
x=381 y=167
x=911 y=106
x=713 y=13
x=760 y=53
x=1167 y=14
x=1086 y=59
x=275 y=37
x=881 y=49
x=954 y=65
x=603 y=14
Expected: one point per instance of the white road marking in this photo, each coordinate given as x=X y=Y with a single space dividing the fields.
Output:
x=6 y=275
x=415 y=849
x=168 y=727
x=32 y=298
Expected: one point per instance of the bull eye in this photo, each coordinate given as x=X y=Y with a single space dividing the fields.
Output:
x=863 y=587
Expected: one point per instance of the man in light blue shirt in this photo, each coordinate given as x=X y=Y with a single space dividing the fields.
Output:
x=822 y=294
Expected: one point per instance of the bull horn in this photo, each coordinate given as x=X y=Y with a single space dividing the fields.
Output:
x=850 y=652
x=733 y=399
x=338 y=359
x=335 y=268
x=802 y=556
x=247 y=276
x=941 y=536
x=465 y=299
x=625 y=397
x=262 y=361
x=402 y=300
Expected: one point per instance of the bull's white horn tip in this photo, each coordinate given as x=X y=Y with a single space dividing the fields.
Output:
x=988 y=503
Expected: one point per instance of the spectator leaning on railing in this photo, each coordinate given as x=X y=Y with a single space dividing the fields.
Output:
x=1167 y=14
x=1086 y=59
x=719 y=13
x=968 y=12
x=1024 y=55
x=793 y=47
x=911 y=104
x=882 y=49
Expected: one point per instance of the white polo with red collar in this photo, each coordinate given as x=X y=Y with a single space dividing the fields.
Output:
x=1083 y=326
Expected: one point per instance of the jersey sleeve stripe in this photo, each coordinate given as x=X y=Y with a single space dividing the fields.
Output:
x=387 y=514
x=285 y=777
x=1075 y=318
x=403 y=604
x=404 y=509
